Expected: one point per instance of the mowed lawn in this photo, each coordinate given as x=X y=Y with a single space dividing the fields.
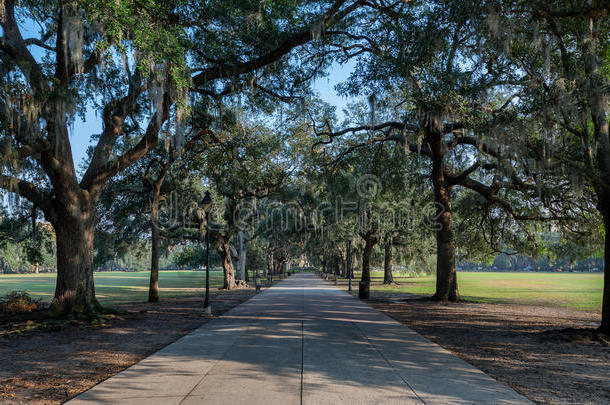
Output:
x=116 y=287
x=575 y=290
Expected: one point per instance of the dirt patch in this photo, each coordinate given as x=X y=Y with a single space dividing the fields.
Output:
x=49 y=367
x=542 y=352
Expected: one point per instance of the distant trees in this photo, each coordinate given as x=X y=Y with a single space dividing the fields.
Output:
x=153 y=200
x=26 y=244
x=244 y=167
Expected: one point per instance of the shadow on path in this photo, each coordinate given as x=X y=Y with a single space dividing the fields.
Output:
x=302 y=342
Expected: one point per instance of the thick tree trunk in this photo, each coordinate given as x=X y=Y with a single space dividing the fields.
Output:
x=370 y=242
x=153 y=287
x=605 y=209
x=337 y=266
x=446 y=276
x=227 y=266
x=605 y=324
x=74 y=227
x=364 y=286
x=387 y=263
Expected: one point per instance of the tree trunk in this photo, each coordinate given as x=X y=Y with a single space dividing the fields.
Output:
x=387 y=263
x=241 y=257
x=364 y=286
x=153 y=287
x=605 y=209
x=74 y=225
x=446 y=276
x=598 y=101
x=337 y=266
x=605 y=324
x=227 y=266
x=370 y=242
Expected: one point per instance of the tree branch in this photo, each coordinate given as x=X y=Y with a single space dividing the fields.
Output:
x=386 y=125
x=114 y=115
x=491 y=195
x=30 y=192
x=458 y=179
x=13 y=45
x=225 y=71
x=147 y=143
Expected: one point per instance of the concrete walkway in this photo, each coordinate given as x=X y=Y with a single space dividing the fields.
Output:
x=302 y=342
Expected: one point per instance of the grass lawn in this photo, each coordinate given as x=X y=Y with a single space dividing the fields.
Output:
x=575 y=290
x=116 y=287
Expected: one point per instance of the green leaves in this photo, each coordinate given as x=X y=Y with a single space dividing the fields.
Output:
x=155 y=31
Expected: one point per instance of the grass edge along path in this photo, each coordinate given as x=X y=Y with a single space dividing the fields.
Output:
x=572 y=290
x=117 y=287
x=581 y=291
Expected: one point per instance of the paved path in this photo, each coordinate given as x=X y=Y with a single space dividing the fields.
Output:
x=301 y=342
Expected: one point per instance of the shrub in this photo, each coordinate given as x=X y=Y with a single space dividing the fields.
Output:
x=18 y=301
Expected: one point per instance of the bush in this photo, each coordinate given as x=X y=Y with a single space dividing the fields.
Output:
x=17 y=302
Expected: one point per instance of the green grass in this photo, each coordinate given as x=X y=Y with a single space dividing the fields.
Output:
x=116 y=287
x=574 y=290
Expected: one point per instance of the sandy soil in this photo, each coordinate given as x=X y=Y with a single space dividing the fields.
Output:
x=516 y=344
x=49 y=367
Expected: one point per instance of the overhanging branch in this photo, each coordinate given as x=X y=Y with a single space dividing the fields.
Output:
x=28 y=191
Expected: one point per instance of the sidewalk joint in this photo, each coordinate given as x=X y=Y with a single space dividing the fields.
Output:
x=387 y=361
x=302 y=357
